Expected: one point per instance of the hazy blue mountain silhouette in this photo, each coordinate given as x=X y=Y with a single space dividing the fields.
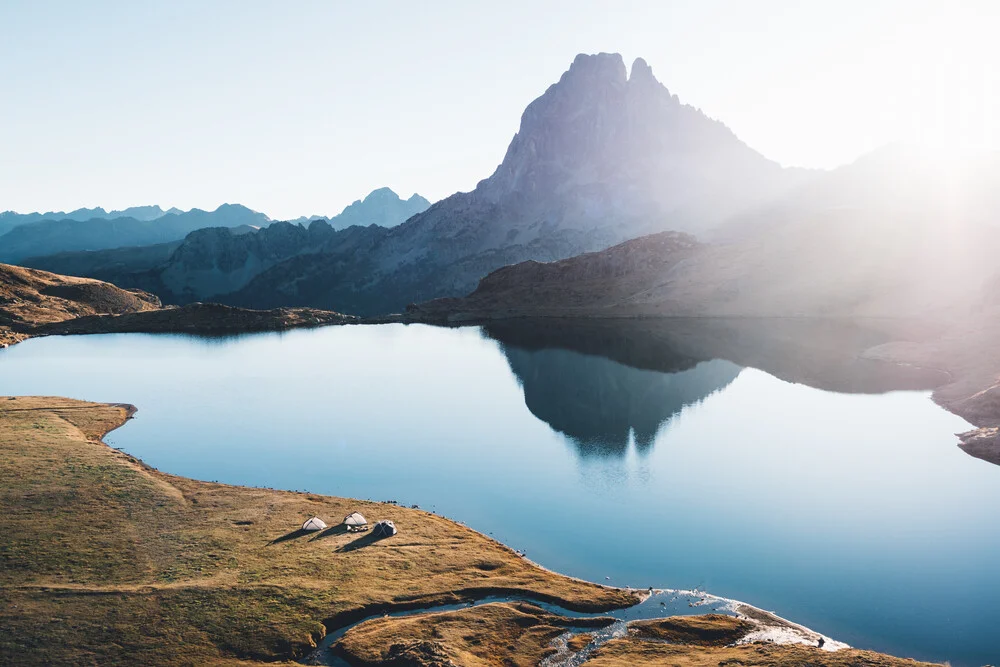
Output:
x=11 y=219
x=222 y=257
x=382 y=207
x=48 y=237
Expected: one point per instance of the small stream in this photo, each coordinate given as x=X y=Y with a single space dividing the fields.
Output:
x=659 y=604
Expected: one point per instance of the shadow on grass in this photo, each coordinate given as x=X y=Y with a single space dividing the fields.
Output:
x=366 y=540
x=295 y=534
x=339 y=529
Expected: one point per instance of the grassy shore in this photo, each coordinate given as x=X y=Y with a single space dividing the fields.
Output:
x=105 y=561
x=521 y=635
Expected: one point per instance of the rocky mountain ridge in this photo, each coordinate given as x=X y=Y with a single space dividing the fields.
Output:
x=599 y=158
x=215 y=261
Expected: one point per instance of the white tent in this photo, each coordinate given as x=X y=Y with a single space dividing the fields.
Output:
x=384 y=528
x=314 y=524
x=355 y=522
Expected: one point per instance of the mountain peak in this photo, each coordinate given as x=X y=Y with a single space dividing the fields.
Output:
x=382 y=194
x=641 y=72
x=608 y=67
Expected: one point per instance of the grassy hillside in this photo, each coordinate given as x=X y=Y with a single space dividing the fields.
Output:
x=29 y=298
x=521 y=635
x=105 y=561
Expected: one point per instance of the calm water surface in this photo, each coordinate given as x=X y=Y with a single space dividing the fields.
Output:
x=609 y=458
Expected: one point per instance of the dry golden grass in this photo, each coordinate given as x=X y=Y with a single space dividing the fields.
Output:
x=491 y=635
x=634 y=651
x=502 y=634
x=104 y=561
x=707 y=630
x=29 y=298
x=579 y=642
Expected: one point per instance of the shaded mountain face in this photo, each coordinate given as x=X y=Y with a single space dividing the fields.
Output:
x=112 y=265
x=48 y=237
x=599 y=158
x=218 y=261
x=888 y=236
x=212 y=263
x=381 y=207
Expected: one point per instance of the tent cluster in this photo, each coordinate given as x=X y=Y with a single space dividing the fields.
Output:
x=354 y=522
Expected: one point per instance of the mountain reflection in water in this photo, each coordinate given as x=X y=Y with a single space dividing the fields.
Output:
x=600 y=382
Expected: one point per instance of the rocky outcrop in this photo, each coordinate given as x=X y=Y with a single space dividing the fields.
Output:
x=983 y=443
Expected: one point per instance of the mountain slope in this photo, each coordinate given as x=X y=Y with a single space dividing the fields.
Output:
x=29 y=298
x=218 y=261
x=48 y=237
x=108 y=265
x=885 y=237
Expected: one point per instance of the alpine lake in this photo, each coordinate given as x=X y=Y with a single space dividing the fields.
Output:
x=761 y=461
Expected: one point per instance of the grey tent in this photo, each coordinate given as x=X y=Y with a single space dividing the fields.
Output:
x=355 y=522
x=314 y=524
x=384 y=528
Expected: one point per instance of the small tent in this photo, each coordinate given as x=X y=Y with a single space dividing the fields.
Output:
x=314 y=524
x=355 y=522
x=384 y=528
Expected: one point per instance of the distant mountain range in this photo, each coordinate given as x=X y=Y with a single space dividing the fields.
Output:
x=613 y=198
x=381 y=207
x=220 y=256
x=42 y=234
x=47 y=237
x=602 y=156
x=11 y=219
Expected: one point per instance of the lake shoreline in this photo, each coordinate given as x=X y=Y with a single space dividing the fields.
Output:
x=972 y=389
x=53 y=416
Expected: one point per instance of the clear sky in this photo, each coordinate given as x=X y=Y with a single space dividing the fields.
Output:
x=300 y=108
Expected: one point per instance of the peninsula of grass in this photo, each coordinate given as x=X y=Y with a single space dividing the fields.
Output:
x=522 y=634
x=104 y=561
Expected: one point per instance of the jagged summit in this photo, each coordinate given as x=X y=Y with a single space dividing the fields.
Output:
x=381 y=207
x=641 y=72
x=601 y=156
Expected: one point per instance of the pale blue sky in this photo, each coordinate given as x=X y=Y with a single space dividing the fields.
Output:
x=300 y=108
